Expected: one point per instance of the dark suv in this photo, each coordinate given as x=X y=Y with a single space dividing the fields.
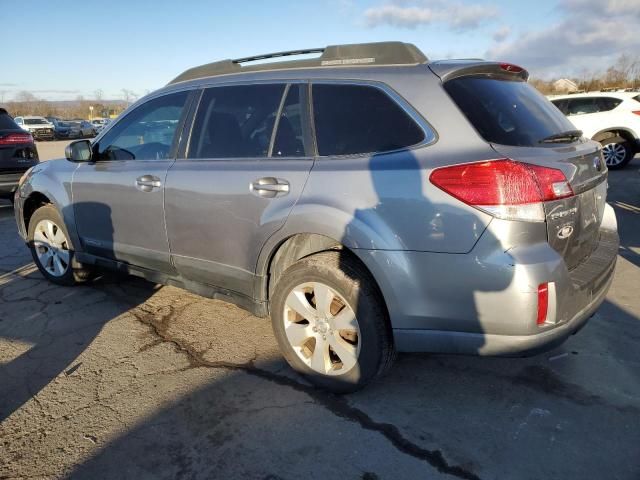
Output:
x=368 y=200
x=17 y=154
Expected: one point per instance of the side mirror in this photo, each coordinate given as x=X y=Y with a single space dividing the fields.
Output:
x=79 y=151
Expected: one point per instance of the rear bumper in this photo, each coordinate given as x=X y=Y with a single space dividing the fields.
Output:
x=9 y=184
x=485 y=302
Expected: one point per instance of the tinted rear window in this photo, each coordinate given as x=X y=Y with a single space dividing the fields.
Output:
x=7 y=123
x=355 y=119
x=507 y=112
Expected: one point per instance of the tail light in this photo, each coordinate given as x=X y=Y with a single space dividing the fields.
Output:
x=504 y=188
x=16 y=138
x=510 y=67
x=637 y=112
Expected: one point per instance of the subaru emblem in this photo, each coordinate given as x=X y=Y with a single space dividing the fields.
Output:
x=565 y=232
x=597 y=163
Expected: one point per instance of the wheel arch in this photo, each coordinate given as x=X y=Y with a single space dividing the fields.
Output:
x=34 y=201
x=301 y=245
x=623 y=132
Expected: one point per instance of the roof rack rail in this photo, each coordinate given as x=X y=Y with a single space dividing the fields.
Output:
x=361 y=54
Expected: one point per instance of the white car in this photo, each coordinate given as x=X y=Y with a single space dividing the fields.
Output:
x=611 y=118
x=39 y=127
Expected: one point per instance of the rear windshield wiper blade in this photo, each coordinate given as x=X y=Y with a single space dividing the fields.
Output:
x=562 y=137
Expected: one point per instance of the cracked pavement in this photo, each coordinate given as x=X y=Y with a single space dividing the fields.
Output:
x=126 y=379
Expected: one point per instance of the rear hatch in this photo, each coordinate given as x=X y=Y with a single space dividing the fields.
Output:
x=522 y=125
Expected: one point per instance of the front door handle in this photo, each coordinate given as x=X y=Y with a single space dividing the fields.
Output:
x=147 y=183
x=269 y=187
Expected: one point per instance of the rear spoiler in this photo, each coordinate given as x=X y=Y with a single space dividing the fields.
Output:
x=450 y=69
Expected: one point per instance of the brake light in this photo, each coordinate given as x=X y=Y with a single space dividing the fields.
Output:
x=637 y=112
x=509 y=67
x=504 y=188
x=15 y=138
x=543 y=303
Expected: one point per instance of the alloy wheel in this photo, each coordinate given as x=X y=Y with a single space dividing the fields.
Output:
x=51 y=247
x=322 y=328
x=614 y=154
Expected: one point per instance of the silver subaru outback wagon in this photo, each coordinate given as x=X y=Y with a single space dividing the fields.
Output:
x=368 y=200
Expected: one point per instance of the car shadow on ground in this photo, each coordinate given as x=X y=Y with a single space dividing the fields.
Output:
x=49 y=326
x=464 y=417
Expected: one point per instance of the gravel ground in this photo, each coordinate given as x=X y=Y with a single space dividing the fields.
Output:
x=125 y=379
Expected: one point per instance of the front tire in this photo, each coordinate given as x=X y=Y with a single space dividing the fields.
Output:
x=330 y=322
x=617 y=152
x=52 y=250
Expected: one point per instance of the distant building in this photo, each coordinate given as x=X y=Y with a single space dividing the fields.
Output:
x=565 y=85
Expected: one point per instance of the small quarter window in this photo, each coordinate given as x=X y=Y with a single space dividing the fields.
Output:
x=292 y=139
x=357 y=119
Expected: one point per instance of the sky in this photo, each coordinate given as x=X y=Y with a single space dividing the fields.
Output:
x=62 y=49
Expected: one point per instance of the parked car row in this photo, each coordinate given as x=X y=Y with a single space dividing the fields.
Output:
x=611 y=118
x=54 y=128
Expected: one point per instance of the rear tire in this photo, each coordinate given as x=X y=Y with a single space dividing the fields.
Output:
x=340 y=343
x=52 y=250
x=617 y=152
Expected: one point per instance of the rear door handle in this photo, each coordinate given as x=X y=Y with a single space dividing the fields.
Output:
x=269 y=187
x=147 y=183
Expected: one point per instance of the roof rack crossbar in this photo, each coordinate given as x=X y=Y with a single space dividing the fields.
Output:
x=278 y=54
x=363 y=54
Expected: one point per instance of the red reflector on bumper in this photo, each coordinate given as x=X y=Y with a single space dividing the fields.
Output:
x=543 y=302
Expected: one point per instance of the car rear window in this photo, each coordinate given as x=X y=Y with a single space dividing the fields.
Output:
x=357 y=119
x=507 y=112
x=7 y=123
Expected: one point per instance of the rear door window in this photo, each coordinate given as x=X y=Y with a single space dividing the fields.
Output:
x=582 y=106
x=235 y=121
x=507 y=112
x=358 y=119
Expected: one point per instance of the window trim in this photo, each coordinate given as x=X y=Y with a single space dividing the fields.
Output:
x=430 y=134
x=287 y=83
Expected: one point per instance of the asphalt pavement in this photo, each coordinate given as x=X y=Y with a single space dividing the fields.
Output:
x=125 y=379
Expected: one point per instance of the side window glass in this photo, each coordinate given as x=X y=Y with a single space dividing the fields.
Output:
x=562 y=106
x=147 y=133
x=356 y=119
x=291 y=139
x=235 y=122
x=606 y=104
x=581 y=106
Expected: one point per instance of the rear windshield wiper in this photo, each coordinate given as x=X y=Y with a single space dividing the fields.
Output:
x=568 y=136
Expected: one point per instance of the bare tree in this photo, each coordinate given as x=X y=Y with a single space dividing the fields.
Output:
x=128 y=96
x=98 y=95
